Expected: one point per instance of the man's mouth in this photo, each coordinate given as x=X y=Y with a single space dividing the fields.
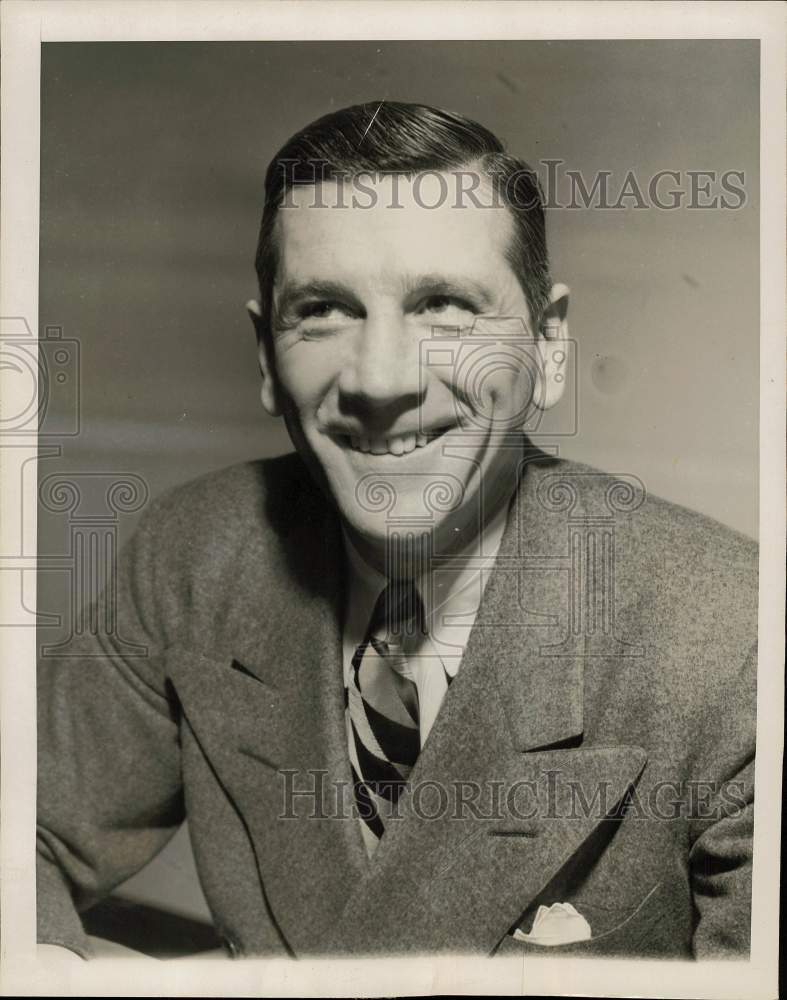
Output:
x=398 y=444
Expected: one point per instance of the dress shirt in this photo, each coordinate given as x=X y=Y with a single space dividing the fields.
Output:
x=451 y=594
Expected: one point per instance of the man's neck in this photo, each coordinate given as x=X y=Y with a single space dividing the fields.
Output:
x=409 y=554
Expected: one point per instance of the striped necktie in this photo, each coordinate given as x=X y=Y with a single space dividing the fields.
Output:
x=382 y=709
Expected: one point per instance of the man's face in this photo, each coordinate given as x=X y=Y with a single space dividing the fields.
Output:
x=402 y=354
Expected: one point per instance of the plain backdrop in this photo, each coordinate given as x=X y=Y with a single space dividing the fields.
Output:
x=152 y=164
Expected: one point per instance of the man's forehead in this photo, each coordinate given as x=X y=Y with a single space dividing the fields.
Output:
x=394 y=223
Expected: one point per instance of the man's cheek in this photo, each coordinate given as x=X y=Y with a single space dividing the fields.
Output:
x=505 y=399
x=520 y=396
x=299 y=396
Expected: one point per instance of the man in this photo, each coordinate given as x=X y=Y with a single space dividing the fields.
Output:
x=419 y=687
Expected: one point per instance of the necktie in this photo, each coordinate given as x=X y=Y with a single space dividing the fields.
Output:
x=382 y=709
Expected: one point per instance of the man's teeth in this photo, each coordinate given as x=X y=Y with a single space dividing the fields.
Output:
x=402 y=444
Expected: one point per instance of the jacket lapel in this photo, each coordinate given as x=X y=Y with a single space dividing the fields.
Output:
x=266 y=704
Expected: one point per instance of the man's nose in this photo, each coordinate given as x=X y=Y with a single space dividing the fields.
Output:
x=383 y=370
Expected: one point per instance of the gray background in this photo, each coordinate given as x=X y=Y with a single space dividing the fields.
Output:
x=152 y=160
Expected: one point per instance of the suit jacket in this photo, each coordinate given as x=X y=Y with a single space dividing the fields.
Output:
x=595 y=748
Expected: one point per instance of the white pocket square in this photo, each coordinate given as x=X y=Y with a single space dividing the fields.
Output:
x=559 y=923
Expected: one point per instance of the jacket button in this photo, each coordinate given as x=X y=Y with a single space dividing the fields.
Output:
x=232 y=947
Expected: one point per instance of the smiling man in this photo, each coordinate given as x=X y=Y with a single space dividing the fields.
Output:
x=419 y=686
x=354 y=295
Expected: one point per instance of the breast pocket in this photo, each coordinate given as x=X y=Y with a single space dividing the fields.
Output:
x=647 y=929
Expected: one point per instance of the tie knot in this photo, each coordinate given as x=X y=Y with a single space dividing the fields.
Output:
x=398 y=613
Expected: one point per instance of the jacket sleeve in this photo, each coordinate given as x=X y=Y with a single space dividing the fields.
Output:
x=720 y=858
x=109 y=781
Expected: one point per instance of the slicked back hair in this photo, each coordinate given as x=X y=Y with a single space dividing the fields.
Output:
x=387 y=137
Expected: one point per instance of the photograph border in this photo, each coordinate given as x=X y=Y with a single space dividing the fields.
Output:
x=25 y=25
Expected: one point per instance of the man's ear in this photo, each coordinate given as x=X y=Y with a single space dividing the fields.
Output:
x=268 y=393
x=553 y=347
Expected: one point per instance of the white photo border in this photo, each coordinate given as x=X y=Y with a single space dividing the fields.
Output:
x=25 y=25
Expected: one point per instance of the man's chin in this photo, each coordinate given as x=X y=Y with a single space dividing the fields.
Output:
x=392 y=549
x=378 y=532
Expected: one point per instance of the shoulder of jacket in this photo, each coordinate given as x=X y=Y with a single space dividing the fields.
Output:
x=655 y=523
x=686 y=589
x=231 y=502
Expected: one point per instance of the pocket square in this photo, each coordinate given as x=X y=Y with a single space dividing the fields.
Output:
x=559 y=923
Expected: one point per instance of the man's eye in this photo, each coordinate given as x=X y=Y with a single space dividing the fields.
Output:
x=322 y=310
x=443 y=303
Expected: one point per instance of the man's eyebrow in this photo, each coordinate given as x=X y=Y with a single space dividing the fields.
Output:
x=293 y=292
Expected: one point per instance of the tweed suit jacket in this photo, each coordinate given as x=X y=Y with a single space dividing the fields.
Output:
x=596 y=747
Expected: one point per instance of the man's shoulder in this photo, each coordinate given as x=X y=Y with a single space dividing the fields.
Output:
x=243 y=506
x=241 y=492
x=684 y=589
x=651 y=525
x=695 y=576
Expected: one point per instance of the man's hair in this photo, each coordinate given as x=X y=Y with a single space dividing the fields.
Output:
x=387 y=137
